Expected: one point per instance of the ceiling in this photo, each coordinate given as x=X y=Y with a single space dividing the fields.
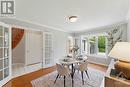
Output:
x=55 y=13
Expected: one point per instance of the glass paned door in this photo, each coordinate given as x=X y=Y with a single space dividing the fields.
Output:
x=1 y=53
x=48 y=51
x=5 y=60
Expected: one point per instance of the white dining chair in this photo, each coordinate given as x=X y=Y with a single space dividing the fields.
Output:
x=62 y=71
x=83 y=67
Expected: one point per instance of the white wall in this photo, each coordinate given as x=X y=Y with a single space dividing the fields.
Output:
x=60 y=44
x=18 y=53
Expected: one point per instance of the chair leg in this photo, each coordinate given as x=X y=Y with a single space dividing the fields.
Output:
x=87 y=73
x=78 y=71
x=56 y=78
x=59 y=76
x=74 y=71
x=82 y=77
x=72 y=79
x=64 y=80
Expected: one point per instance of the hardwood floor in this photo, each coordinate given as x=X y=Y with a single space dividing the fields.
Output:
x=25 y=80
x=98 y=67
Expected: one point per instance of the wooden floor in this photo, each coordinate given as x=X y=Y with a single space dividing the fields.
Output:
x=24 y=81
x=98 y=67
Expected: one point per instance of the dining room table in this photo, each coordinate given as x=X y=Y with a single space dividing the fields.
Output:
x=71 y=62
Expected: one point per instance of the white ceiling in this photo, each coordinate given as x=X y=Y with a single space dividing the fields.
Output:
x=55 y=13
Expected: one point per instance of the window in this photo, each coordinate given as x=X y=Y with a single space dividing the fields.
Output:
x=84 y=45
x=97 y=45
x=70 y=44
x=4 y=52
x=94 y=45
x=101 y=44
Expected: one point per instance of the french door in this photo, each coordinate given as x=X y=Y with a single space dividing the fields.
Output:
x=47 y=49
x=5 y=53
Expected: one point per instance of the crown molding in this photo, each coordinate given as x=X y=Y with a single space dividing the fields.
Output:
x=32 y=23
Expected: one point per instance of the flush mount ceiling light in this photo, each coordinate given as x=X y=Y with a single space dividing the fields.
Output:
x=73 y=18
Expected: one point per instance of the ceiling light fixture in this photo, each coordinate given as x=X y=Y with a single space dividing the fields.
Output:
x=73 y=18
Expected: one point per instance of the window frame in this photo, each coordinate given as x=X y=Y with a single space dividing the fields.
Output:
x=97 y=50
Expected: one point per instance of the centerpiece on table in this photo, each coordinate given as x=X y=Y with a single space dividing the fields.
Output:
x=74 y=50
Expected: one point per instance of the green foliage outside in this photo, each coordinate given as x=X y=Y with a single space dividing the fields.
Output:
x=92 y=40
x=101 y=44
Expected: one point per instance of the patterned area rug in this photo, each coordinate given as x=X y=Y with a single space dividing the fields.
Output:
x=95 y=79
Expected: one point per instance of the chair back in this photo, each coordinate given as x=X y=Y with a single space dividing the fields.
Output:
x=83 y=66
x=62 y=70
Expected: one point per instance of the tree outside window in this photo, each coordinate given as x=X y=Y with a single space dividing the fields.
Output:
x=101 y=44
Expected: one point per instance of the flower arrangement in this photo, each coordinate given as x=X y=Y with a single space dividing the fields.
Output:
x=74 y=50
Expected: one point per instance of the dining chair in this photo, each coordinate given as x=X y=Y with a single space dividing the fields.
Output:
x=62 y=71
x=83 y=67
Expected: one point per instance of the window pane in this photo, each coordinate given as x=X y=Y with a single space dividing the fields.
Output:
x=101 y=44
x=1 y=31
x=1 y=41
x=6 y=72
x=1 y=75
x=1 y=53
x=84 y=45
x=1 y=64
x=6 y=52
x=92 y=42
x=6 y=37
x=6 y=62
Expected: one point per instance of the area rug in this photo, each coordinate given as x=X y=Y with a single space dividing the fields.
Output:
x=95 y=79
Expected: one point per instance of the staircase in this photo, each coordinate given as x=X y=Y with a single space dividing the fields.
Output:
x=17 y=35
